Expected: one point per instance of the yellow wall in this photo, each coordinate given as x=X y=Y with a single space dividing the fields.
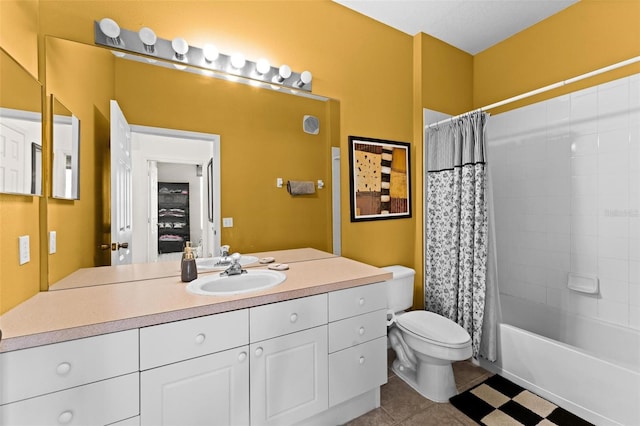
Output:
x=19 y=214
x=447 y=77
x=589 y=35
x=73 y=71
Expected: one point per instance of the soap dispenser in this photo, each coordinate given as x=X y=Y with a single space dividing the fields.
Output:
x=188 y=267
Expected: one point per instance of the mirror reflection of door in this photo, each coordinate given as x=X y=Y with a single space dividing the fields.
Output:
x=66 y=152
x=19 y=131
x=121 y=188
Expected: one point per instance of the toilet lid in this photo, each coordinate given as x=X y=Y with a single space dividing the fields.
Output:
x=434 y=327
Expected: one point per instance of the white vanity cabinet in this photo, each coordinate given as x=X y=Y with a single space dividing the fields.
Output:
x=86 y=381
x=357 y=341
x=196 y=371
x=288 y=351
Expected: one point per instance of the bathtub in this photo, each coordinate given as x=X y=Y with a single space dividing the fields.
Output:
x=596 y=375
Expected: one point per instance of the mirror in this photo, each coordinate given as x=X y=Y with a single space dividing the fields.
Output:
x=20 y=129
x=65 y=134
x=261 y=139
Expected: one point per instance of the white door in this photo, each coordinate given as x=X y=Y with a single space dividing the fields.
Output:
x=209 y=390
x=12 y=161
x=289 y=377
x=121 y=188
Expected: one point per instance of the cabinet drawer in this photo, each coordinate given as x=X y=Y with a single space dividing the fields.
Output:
x=176 y=341
x=357 y=370
x=355 y=330
x=281 y=318
x=99 y=403
x=35 y=371
x=357 y=300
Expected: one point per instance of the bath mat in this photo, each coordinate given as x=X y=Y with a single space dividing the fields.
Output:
x=498 y=401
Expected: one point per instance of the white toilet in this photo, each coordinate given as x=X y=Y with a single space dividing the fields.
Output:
x=425 y=343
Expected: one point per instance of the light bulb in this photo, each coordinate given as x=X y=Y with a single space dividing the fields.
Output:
x=305 y=78
x=237 y=60
x=181 y=47
x=111 y=29
x=262 y=66
x=210 y=52
x=148 y=38
x=284 y=72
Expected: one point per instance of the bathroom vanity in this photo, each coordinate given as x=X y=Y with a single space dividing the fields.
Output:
x=311 y=350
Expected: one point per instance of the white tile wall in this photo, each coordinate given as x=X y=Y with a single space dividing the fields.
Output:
x=566 y=179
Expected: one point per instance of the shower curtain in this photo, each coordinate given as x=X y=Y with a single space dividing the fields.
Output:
x=457 y=231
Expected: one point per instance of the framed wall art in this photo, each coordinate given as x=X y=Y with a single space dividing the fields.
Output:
x=379 y=179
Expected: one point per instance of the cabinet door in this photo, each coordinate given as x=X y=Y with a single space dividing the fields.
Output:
x=210 y=390
x=289 y=377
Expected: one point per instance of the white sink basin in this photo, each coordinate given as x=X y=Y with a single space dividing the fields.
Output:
x=211 y=263
x=253 y=280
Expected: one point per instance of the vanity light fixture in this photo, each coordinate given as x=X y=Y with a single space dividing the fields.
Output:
x=144 y=45
x=148 y=39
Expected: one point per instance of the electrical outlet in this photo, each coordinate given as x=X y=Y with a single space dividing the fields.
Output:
x=23 y=242
x=227 y=222
x=52 y=242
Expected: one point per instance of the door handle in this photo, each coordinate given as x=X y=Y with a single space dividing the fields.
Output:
x=118 y=246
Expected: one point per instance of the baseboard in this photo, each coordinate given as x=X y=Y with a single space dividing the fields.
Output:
x=346 y=411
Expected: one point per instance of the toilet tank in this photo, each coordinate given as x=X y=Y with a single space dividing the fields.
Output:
x=400 y=288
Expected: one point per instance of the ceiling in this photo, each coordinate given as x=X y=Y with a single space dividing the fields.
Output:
x=469 y=25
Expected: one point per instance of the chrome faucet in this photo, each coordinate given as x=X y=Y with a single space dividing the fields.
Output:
x=224 y=257
x=235 y=268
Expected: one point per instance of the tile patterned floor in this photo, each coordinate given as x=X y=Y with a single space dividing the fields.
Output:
x=400 y=405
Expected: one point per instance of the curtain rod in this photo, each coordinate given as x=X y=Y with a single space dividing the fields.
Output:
x=540 y=90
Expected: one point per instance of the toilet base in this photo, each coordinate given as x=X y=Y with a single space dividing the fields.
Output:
x=434 y=379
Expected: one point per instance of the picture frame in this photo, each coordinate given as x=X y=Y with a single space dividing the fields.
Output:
x=379 y=179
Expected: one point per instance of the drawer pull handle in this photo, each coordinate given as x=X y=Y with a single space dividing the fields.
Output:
x=200 y=338
x=242 y=356
x=65 y=417
x=258 y=351
x=63 y=368
x=361 y=331
x=361 y=301
x=293 y=318
x=361 y=360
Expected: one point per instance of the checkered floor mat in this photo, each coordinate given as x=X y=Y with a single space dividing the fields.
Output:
x=497 y=401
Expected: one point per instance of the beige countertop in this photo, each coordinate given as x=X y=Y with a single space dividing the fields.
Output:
x=56 y=316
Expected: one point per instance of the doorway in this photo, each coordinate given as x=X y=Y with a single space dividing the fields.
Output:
x=174 y=156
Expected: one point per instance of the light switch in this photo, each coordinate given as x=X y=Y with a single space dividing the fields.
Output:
x=52 y=242
x=227 y=222
x=23 y=242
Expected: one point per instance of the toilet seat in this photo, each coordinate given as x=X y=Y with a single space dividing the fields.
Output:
x=434 y=328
